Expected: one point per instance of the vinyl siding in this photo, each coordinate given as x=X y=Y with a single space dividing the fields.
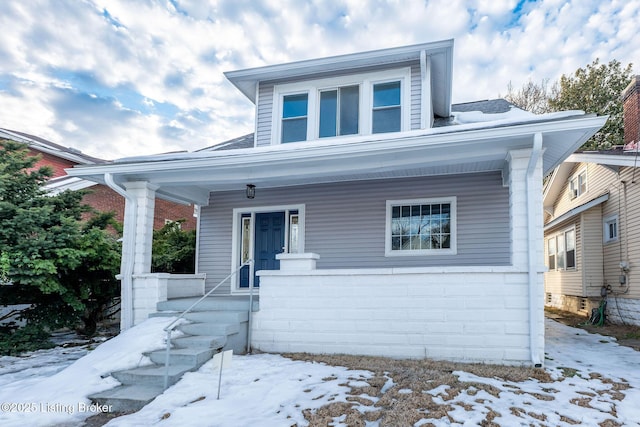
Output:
x=626 y=203
x=265 y=99
x=592 y=251
x=264 y=112
x=599 y=181
x=416 y=96
x=602 y=260
x=345 y=222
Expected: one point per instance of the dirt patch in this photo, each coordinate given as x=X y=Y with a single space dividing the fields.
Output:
x=400 y=392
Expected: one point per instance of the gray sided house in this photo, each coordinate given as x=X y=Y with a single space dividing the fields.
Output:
x=379 y=219
x=592 y=234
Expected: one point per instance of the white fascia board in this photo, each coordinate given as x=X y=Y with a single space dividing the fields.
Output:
x=577 y=210
x=246 y=80
x=67 y=183
x=605 y=159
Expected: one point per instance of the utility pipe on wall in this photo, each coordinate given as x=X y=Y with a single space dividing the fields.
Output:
x=532 y=242
x=126 y=266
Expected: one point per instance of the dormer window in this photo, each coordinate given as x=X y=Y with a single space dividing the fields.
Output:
x=294 y=117
x=578 y=184
x=361 y=104
x=339 y=111
x=387 y=109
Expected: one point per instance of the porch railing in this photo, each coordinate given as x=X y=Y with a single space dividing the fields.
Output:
x=170 y=327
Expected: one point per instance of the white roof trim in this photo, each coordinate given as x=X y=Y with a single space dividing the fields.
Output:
x=577 y=210
x=605 y=159
x=61 y=184
x=191 y=176
x=247 y=80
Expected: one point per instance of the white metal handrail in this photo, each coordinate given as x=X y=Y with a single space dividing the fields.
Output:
x=169 y=328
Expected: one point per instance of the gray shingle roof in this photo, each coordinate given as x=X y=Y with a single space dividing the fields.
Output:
x=35 y=142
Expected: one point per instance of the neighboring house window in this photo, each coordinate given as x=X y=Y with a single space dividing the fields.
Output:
x=294 y=117
x=561 y=250
x=421 y=227
x=359 y=104
x=610 y=228
x=578 y=184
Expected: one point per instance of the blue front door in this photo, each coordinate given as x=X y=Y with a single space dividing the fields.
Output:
x=268 y=242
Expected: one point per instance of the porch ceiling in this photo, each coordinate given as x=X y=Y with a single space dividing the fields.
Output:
x=190 y=177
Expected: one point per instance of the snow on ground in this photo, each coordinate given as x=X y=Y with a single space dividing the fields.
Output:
x=595 y=379
x=55 y=397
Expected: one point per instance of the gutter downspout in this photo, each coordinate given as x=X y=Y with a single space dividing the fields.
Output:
x=126 y=266
x=532 y=242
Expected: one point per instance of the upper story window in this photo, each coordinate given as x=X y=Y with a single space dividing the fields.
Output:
x=578 y=184
x=360 y=104
x=294 y=117
x=339 y=111
x=387 y=109
x=610 y=228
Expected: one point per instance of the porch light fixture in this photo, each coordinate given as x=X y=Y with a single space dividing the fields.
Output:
x=251 y=191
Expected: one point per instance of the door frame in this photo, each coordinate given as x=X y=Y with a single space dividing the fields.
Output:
x=236 y=239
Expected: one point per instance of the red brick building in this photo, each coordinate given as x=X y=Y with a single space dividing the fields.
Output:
x=99 y=196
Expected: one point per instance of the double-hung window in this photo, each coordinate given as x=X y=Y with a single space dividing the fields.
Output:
x=387 y=109
x=561 y=250
x=339 y=111
x=578 y=184
x=294 y=117
x=361 y=104
x=421 y=227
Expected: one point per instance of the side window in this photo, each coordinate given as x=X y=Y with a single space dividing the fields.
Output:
x=294 y=117
x=561 y=250
x=570 y=248
x=551 y=253
x=578 y=184
x=610 y=231
x=387 y=110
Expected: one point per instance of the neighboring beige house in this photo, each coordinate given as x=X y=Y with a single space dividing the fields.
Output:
x=591 y=232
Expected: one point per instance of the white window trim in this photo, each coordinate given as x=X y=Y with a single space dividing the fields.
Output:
x=576 y=176
x=236 y=240
x=605 y=228
x=366 y=81
x=453 y=250
x=575 y=249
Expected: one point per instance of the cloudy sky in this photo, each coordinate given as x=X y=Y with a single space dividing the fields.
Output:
x=117 y=78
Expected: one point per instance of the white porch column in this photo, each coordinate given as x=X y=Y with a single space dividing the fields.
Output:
x=527 y=251
x=137 y=239
x=145 y=196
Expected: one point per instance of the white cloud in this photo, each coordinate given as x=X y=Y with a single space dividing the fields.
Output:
x=158 y=68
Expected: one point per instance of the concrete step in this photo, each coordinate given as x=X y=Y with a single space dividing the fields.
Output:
x=211 y=303
x=195 y=357
x=152 y=375
x=127 y=398
x=200 y=341
x=210 y=316
x=198 y=329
